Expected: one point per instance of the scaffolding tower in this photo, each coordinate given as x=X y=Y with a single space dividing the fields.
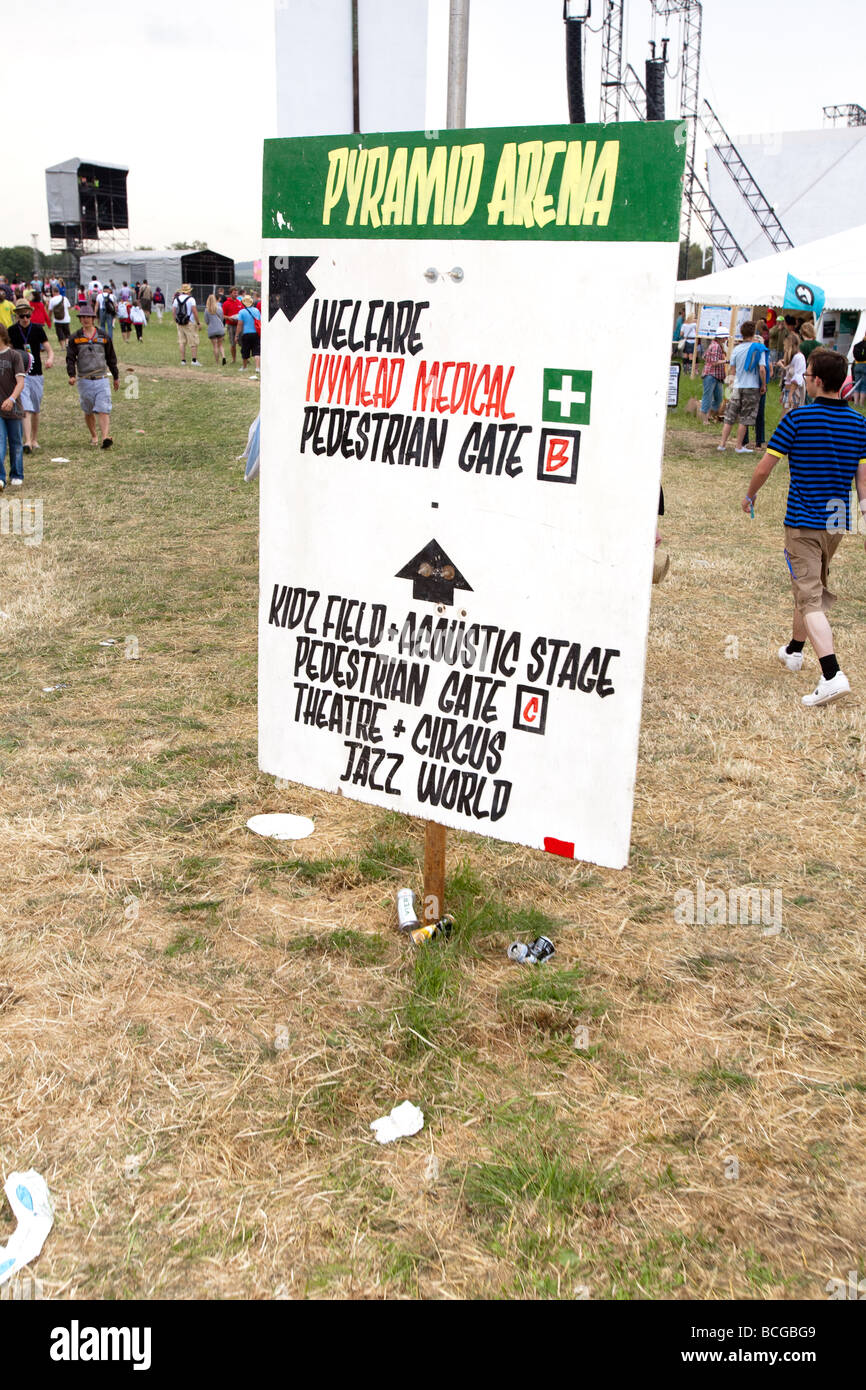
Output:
x=691 y=13
x=611 y=61
x=851 y=114
x=87 y=209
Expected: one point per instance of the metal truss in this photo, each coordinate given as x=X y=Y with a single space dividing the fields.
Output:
x=744 y=180
x=699 y=202
x=851 y=114
x=611 y=61
x=690 y=73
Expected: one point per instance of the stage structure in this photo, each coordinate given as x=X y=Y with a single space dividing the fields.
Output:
x=87 y=208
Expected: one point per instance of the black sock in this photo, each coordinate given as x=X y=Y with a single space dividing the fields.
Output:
x=794 y=646
x=829 y=666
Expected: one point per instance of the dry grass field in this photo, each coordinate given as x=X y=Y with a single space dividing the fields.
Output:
x=197 y=1026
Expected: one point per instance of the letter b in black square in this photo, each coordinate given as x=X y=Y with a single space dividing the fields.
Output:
x=557 y=456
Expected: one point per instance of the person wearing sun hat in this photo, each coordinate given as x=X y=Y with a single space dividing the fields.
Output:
x=185 y=315
x=249 y=325
x=90 y=356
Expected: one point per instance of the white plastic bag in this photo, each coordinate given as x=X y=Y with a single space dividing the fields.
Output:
x=30 y=1200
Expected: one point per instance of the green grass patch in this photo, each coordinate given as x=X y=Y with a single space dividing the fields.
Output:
x=361 y=947
x=543 y=1176
x=381 y=858
x=716 y=1078
x=184 y=942
x=206 y=905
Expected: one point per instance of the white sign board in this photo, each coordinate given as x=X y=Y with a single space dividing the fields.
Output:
x=716 y=318
x=459 y=486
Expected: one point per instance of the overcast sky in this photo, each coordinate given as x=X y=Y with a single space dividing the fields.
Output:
x=184 y=91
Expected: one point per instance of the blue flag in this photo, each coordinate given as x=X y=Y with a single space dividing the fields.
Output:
x=799 y=294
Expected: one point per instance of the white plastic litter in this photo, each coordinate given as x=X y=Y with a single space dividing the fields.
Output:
x=30 y=1201
x=277 y=825
x=47 y=689
x=60 y=460
x=110 y=642
x=4 y=615
x=403 y=1120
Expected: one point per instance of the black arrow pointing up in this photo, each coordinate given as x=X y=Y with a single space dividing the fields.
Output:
x=288 y=285
x=434 y=576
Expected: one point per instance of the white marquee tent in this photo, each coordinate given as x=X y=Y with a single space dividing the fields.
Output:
x=835 y=263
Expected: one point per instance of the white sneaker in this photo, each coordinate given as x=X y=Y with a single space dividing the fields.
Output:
x=195 y=362
x=744 y=450
x=16 y=482
x=793 y=660
x=721 y=448
x=825 y=690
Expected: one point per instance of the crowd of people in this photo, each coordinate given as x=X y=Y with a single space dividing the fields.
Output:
x=776 y=348
x=29 y=309
x=229 y=314
x=821 y=434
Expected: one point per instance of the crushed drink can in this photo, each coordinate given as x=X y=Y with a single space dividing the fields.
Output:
x=518 y=950
x=431 y=930
x=407 y=917
x=532 y=953
x=542 y=948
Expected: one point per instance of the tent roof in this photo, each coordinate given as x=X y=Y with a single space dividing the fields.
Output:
x=835 y=263
x=142 y=257
x=71 y=166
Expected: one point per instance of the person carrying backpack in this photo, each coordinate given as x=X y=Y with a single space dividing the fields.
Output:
x=106 y=305
x=750 y=383
x=186 y=317
x=58 y=307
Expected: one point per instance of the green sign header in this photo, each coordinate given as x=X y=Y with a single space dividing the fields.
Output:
x=620 y=182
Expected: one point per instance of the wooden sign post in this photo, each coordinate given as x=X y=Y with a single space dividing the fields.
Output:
x=732 y=329
x=697 y=332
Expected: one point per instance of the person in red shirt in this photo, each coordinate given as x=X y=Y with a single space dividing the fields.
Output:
x=38 y=311
x=231 y=308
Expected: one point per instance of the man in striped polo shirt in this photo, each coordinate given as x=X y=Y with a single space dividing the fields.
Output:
x=826 y=450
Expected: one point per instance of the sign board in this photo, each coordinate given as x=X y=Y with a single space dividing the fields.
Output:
x=673 y=385
x=459 y=484
x=716 y=318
